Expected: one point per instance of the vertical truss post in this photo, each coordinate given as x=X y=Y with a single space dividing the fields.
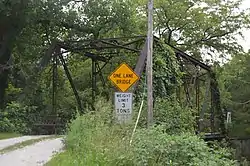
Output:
x=212 y=107
x=94 y=65
x=54 y=86
x=188 y=99
x=198 y=101
x=216 y=106
x=100 y=74
x=181 y=67
x=101 y=77
x=71 y=82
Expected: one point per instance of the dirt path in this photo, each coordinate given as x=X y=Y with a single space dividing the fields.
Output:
x=8 y=142
x=33 y=155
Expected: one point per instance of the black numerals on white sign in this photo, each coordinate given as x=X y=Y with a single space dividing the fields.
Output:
x=123 y=105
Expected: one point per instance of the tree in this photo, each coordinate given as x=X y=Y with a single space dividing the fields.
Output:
x=47 y=21
x=234 y=85
x=12 y=20
x=201 y=26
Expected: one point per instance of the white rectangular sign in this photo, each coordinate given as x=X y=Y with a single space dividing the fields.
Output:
x=123 y=106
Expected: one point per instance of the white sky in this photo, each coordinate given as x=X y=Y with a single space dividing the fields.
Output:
x=246 y=41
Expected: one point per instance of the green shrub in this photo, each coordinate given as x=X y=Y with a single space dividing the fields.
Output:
x=173 y=117
x=92 y=139
x=154 y=147
x=16 y=118
x=169 y=113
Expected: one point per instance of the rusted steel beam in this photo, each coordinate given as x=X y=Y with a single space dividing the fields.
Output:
x=140 y=65
x=192 y=59
x=141 y=61
x=71 y=83
x=132 y=42
x=106 y=39
x=120 y=46
x=94 y=86
x=95 y=57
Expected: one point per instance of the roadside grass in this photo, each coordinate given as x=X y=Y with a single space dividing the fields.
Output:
x=93 y=139
x=9 y=135
x=64 y=158
x=104 y=147
x=26 y=143
x=90 y=140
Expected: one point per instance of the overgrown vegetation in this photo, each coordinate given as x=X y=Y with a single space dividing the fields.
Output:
x=93 y=139
x=202 y=28
x=234 y=83
x=25 y=74
x=16 y=118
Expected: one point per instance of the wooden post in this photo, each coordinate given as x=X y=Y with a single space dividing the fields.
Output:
x=150 y=63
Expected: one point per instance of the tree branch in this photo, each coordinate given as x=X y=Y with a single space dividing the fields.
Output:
x=216 y=36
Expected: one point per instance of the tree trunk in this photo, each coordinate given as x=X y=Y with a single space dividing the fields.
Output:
x=11 y=26
x=4 y=73
x=4 y=57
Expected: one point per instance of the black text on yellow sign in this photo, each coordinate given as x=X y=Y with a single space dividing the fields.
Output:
x=123 y=77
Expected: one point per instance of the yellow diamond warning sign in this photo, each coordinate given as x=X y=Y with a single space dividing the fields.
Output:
x=123 y=77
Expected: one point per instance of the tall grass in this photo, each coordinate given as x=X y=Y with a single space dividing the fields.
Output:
x=93 y=139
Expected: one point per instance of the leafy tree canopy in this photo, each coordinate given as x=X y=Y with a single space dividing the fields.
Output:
x=201 y=26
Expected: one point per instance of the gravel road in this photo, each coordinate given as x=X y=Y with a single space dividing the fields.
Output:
x=8 y=142
x=34 y=155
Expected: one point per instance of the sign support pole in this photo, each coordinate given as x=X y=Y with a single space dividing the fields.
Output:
x=150 y=62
